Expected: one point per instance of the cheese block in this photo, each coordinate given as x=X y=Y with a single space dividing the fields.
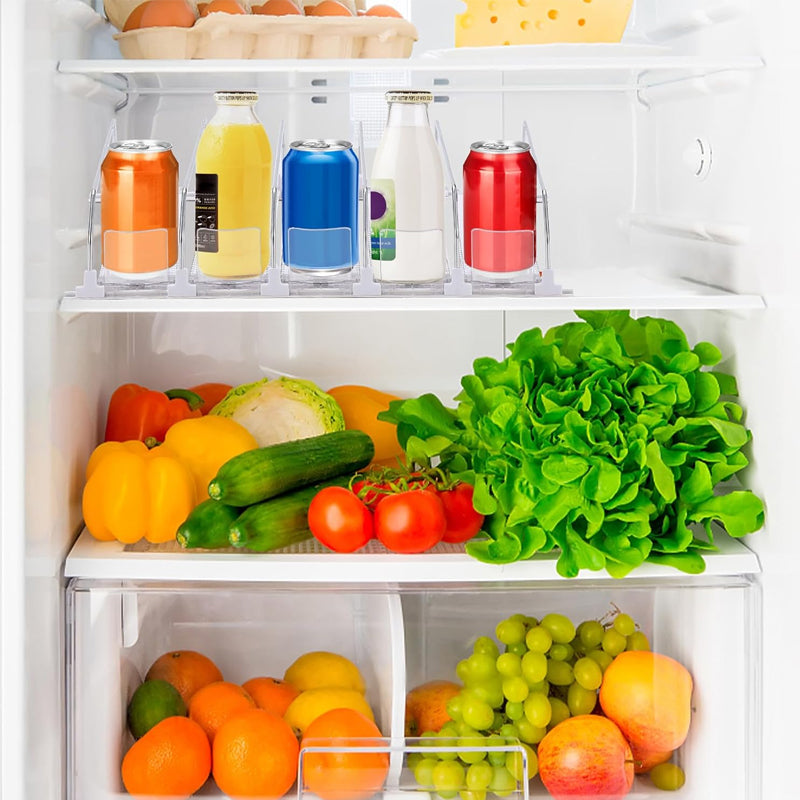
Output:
x=507 y=22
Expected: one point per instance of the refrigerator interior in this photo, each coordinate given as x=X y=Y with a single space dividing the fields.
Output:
x=624 y=146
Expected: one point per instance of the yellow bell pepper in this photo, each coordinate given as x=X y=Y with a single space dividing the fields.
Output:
x=360 y=406
x=132 y=492
x=205 y=444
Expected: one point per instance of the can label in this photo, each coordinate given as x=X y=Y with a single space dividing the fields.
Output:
x=383 y=216
x=206 y=213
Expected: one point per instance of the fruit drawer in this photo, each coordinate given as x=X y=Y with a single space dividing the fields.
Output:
x=117 y=631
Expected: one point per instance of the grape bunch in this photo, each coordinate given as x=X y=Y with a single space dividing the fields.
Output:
x=538 y=673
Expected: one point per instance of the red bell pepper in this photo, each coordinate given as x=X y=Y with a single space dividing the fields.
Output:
x=210 y=394
x=135 y=412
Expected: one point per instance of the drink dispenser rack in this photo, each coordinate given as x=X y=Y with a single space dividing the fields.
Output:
x=280 y=279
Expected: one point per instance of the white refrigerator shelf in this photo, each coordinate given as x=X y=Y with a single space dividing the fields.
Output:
x=309 y=562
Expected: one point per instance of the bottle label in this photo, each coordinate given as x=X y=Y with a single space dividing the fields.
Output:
x=206 y=213
x=383 y=216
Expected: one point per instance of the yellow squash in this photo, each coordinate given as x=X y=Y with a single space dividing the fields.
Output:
x=205 y=444
x=360 y=406
x=133 y=493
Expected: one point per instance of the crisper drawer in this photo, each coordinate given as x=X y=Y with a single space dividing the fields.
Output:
x=401 y=638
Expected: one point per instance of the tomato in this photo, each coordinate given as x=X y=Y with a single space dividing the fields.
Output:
x=370 y=493
x=463 y=521
x=339 y=520
x=410 y=522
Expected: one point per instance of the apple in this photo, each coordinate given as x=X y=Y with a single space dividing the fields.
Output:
x=586 y=756
x=649 y=696
x=426 y=706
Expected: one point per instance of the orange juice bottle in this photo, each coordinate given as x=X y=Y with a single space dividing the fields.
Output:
x=233 y=188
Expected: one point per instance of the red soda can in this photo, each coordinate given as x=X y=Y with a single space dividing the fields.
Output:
x=500 y=207
x=139 y=208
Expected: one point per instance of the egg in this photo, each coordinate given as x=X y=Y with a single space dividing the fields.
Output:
x=227 y=6
x=329 y=8
x=383 y=11
x=161 y=14
x=277 y=8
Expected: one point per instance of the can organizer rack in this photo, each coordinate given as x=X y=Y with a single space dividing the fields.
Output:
x=184 y=279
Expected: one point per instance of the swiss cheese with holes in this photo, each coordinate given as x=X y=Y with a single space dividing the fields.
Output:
x=505 y=22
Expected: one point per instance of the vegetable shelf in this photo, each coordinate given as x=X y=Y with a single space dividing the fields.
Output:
x=311 y=563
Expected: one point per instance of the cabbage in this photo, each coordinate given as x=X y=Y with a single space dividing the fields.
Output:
x=281 y=410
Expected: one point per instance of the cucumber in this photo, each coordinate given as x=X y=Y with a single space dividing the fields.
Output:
x=208 y=525
x=279 y=522
x=267 y=472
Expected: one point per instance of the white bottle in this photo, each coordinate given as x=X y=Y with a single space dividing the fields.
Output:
x=407 y=195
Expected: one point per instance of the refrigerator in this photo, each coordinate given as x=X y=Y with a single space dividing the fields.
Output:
x=670 y=167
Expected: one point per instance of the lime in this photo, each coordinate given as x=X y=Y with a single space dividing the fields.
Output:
x=152 y=702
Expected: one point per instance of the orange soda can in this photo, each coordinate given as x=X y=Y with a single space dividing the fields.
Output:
x=139 y=208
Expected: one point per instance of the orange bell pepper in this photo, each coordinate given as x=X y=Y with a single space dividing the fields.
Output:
x=135 y=412
x=210 y=394
x=133 y=493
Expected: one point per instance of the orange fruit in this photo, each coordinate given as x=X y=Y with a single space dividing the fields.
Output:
x=173 y=759
x=186 y=670
x=343 y=775
x=271 y=694
x=217 y=702
x=255 y=754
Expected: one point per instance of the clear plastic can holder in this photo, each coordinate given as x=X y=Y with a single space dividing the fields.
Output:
x=320 y=251
x=422 y=262
x=238 y=257
x=137 y=256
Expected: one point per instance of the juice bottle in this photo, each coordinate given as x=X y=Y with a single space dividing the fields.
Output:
x=233 y=187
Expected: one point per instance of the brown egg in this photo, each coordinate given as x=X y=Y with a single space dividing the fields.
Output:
x=160 y=14
x=227 y=6
x=383 y=11
x=329 y=8
x=277 y=8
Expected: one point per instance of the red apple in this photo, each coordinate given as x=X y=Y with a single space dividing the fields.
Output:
x=586 y=756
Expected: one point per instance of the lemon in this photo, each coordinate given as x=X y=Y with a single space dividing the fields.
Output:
x=152 y=702
x=323 y=670
x=309 y=705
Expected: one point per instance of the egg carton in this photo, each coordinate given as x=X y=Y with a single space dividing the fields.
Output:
x=221 y=35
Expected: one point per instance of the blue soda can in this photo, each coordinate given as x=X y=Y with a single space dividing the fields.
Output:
x=320 y=206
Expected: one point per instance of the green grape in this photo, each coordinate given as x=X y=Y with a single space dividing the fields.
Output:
x=413 y=760
x=448 y=778
x=538 y=639
x=479 y=775
x=515 y=689
x=485 y=645
x=429 y=739
x=559 y=673
x=614 y=643
x=509 y=665
x=510 y=631
x=447 y=737
x=587 y=673
x=490 y=692
x=543 y=687
x=473 y=794
x=561 y=628
x=481 y=667
x=503 y=783
x=561 y=652
x=472 y=739
x=423 y=772
x=477 y=713
x=498 y=757
x=518 y=618
x=601 y=657
x=531 y=622
x=590 y=633
x=538 y=710
x=580 y=700
x=518 y=649
x=667 y=777
x=637 y=641
x=624 y=624
x=514 y=711
x=453 y=707
x=463 y=671
x=534 y=667
x=499 y=719
x=529 y=733
x=514 y=764
x=560 y=711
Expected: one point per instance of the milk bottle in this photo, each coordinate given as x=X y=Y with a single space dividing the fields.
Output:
x=407 y=195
